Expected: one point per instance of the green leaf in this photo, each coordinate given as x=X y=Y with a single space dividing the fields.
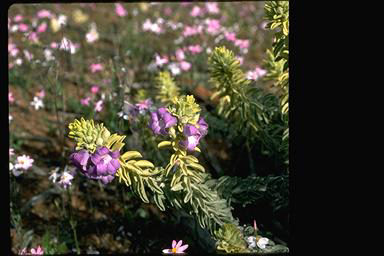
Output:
x=164 y=144
x=130 y=154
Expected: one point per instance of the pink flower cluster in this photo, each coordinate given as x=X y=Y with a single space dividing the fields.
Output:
x=38 y=251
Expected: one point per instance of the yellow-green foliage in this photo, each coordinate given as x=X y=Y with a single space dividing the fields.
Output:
x=277 y=62
x=88 y=135
x=230 y=239
x=186 y=109
x=166 y=87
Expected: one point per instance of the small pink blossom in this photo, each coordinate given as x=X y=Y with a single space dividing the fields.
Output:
x=85 y=101
x=23 y=27
x=212 y=7
x=230 y=36
x=11 y=99
x=18 y=18
x=196 y=11
x=194 y=48
x=240 y=59
x=184 y=65
x=144 y=104
x=33 y=37
x=99 y=106
x=256 y=74
x=43 y=26
x=54 y=45
x=180 y=54
x=176 y=248
x=167 y=11
x=65 y=181
x=23 y=162
x=190 y=31
x=95 y=89
x=44 y=14
x=11 y=152
x=41 y=93
x=160 y=61
x=119 y=9
x=96 y=67
x=37 y=251
x=213 y=26
x=243 y=44
x=13 y=50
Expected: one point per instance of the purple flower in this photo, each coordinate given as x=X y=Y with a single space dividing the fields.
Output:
x=101 y=165
x=193 y=134
x=161 y=120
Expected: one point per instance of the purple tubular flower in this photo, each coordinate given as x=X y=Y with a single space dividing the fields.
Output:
x=80 y=159
x=101 y=165
x=161 y=120
x=193 y=134
x=203 y=126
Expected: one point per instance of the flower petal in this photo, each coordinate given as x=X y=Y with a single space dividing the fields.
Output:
x=179 y=244
x=168 y=251
x=102 y=151
x=173 y=244
x=115 y=154
x=95 y=158
x=182 y=248
x=101 y=168
x=190 y=130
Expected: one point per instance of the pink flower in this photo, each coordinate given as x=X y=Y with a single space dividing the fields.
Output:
x=96 y=67
x=38 y=251
x=11 y=152
x=41 y=93
x=180 y=54
x=240 y=59
x=119 y=9
x=17 y=18
x=54 y=45
x=230 y=36
x=95 y=89
x=23 y=162
x=256 y=74
x=33 y=37
x=213 y=26
x=23 y=27
x=212 y=7
x=176 y=248
x=160 y=61
x=167 y=11
x=99 y=106
x=190 y=31
x=194 y=48
x=243 y=44
x=13 y=50
x=184 y=65
x=85 y=101
x=42 y=27
x=10 y=97
x=44 y=14
x=196 y=11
